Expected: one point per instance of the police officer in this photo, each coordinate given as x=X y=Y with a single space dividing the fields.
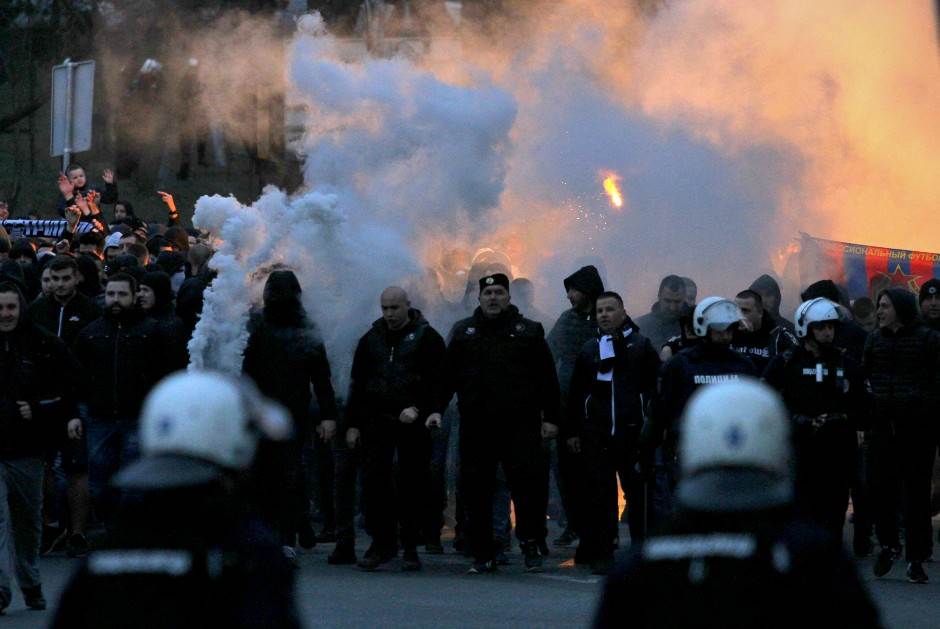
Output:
x=395 y=372
x=711 y=362
x=735 y=555
x=502 y=371
x=613 y=382
x=930 y=303
x=825 y=393
x=186 y=551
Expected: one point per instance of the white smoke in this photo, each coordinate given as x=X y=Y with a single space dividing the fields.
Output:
x=392 y=153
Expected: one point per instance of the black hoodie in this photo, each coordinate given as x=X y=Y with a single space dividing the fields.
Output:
x=574 y=328
x=903 y=365
x=35 y=367
x=393 y=370
x=285 y=356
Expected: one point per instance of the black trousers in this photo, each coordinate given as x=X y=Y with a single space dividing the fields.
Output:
x=603 y=459
x=825 y=466
x=902 y=455
x=517 y=444
x=395 y=476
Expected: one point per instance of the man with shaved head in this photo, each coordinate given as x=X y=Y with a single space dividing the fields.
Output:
x=394 y=380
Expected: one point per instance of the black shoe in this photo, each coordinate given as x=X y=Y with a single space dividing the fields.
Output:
x=434 y=547
x=915 y=572
x=500 y=558
x=326 y=536
x=77 y=546
x=885 y=560
x=482 y=567
x=344 y=554
x=460 y=544
x=375 y=557
x=543 y=547
x=52 y=538
x=305 y=535
x=533 y=560
x=34 y=598
x=410 y=561
x=566 y=539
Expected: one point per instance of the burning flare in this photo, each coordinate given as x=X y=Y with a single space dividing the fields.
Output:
x=612 y=189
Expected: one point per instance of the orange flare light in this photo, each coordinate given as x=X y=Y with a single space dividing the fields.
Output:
x=612 y=190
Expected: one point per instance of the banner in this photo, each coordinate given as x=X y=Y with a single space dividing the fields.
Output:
x=41 y=228
x=865 y=270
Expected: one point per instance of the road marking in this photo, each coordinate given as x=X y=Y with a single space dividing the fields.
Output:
x=560 y=577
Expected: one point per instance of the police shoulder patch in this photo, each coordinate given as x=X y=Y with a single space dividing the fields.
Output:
x=471 y=330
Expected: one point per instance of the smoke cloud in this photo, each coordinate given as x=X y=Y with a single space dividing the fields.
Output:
x=733 y=127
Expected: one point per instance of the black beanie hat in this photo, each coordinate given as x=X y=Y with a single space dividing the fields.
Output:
x=587 y=280
x=766 y=284
x=159 y=283
x=929 y=288
x=496 y=279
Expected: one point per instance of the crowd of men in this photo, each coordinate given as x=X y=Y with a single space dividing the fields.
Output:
x=91 y=323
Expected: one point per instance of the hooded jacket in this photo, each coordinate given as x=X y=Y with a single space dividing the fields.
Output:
x=767 y=284
x=573 y=328
x=171 y=326
x=393 y=370
x=619 y=405
x=502 y=371
x=284 y=355
x=763 y=344
x=35 y=367
x=903 y=366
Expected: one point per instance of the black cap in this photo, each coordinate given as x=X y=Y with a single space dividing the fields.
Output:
x=929 y=288
x=496 y=279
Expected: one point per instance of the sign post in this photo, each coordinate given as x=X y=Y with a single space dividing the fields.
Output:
x=73 y=98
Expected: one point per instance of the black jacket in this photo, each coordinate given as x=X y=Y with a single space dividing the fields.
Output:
x=64 y=321
x=902 y=368
x=501 y=370
x=680 y=376
x=760 y=570
x=657 y=327
x=763 y=344
x=122 y=360
x=284 y=359
x=618 y=406
x=393 y=370
x=37 y=368
x=569 y=334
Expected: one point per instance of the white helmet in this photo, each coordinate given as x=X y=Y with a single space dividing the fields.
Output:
x=714 y=312
x=194 y=425
x=734 y=449
x=814 y=311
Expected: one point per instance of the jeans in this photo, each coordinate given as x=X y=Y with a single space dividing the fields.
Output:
x=20 y=523
x=112 y=445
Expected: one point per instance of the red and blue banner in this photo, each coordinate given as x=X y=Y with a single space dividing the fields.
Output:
x=865 y=270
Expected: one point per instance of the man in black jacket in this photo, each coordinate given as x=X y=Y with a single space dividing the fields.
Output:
x=285 y=357
x=575 y=327
x=35 y=403
x=65 y=313
x=902 y=363
x=395 y=374
x=502 y=371
x=613 y=382
x=122 y=356
x=758 y=336
x=824 y=391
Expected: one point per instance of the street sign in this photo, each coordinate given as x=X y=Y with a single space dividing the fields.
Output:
x=73 y=103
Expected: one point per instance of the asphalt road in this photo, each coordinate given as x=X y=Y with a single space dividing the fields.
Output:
x=442 y=595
